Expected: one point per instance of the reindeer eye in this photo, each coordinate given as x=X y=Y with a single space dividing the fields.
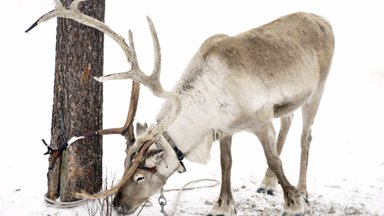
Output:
x=138 y=178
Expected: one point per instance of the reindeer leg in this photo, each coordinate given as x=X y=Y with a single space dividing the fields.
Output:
x=309 y=111
x=225 y=205
x=294 y=202
x=269 y=183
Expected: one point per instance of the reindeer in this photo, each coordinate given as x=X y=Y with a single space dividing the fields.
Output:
x=233 y=83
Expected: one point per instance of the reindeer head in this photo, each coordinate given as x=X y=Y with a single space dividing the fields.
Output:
x=158 y=163
x=150 y=159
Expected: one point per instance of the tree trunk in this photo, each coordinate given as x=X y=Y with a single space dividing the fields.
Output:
x=77 y=104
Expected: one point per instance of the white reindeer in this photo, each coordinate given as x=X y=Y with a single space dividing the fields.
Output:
x=233 y=83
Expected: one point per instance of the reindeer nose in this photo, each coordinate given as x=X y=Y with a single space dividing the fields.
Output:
x=123 y=209
x=120 y=210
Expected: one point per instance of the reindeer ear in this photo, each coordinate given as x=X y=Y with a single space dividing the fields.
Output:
x=154 y=158
x=141 y=128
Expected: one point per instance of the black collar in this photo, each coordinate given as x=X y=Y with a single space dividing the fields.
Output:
x=179 y=153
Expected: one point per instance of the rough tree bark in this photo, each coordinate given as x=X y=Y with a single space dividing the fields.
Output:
x=77 y=104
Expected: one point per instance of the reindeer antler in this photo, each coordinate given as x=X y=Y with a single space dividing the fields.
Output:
x=152 y=81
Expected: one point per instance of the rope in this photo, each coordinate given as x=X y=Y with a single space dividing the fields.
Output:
x=163 y=201
x=59 y=204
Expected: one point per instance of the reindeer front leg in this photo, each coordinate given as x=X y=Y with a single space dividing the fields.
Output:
x=225 y=205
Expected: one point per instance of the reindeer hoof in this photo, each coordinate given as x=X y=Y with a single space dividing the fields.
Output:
x=233 y=213
x=266 y=191
x=223 y=210
x=298 y=205
x=216 y=215
x=295 y=214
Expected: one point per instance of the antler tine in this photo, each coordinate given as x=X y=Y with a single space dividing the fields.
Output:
x=157 y=56
x=128 y=125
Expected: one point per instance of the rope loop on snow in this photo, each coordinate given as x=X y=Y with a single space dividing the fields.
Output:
x=59 y=204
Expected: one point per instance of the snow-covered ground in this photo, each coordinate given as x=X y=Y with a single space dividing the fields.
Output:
x=346 y=167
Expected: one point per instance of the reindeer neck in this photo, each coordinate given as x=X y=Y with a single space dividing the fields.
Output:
x=191 y=137
x=193 y=131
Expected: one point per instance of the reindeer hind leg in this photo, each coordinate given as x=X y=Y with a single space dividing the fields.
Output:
x=309 y=111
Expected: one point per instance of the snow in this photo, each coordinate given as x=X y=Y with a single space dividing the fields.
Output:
x=346 y=167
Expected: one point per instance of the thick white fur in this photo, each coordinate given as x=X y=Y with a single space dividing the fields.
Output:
x=193 y=130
